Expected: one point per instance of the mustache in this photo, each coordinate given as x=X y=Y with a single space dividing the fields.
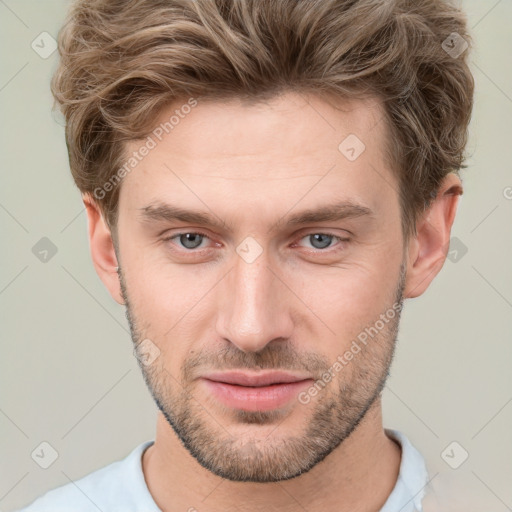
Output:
x=278 y=356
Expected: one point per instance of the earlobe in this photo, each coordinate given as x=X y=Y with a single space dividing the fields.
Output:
x=102 y=249
x=427 y=250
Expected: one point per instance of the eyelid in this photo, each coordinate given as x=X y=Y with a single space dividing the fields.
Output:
x=338 y=232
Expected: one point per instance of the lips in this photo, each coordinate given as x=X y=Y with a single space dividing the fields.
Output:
x=238 y=378
x=262 y=391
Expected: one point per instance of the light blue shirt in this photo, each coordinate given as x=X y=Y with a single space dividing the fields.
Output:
x=120 y=486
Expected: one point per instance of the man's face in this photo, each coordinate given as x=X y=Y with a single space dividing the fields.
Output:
x=252 y=291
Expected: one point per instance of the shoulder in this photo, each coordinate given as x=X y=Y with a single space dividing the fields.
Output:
x=115 y=487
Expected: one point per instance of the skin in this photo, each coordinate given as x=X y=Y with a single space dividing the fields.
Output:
x=297 y=306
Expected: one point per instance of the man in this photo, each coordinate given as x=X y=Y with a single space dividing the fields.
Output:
x=265 y=183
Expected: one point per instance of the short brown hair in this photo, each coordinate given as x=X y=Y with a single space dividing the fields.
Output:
x=122 y=61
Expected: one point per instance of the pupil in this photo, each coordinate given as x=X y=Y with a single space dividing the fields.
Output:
x=188 y=240
x=319 y=237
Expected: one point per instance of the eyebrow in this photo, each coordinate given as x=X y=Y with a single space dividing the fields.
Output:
x=159 y=211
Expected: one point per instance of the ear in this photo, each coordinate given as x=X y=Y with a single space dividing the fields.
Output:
x=102 y=249
x=428 y=249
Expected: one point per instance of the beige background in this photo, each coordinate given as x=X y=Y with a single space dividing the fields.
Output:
x=68 y=375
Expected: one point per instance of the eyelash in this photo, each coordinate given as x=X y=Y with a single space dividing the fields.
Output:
x=326 y=250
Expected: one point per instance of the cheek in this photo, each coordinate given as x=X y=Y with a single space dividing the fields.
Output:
x=169 y=305
x=160 y=291
x=349 y=299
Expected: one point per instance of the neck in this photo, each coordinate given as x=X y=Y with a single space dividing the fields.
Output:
x=358 y=475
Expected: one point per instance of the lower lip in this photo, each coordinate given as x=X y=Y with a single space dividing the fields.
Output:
x=262 y=398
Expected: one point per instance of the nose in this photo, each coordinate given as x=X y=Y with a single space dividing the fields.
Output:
x=253 y=305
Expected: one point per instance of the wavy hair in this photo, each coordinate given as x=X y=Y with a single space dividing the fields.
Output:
x=122 y=61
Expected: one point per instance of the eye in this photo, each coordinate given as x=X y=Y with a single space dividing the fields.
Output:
x=322 y=240
x=194 y=240
x=188 y=240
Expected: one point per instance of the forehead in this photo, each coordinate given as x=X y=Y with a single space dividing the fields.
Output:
x=288 y=149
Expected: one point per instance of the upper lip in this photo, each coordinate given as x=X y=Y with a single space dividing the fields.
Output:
x=252 y=379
